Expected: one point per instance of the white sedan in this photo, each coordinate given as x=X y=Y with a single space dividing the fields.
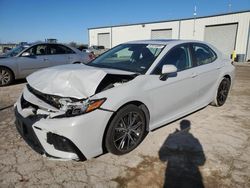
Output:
x=80 y=111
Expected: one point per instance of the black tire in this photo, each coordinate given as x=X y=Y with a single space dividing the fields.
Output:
x=222 y=92
x=126 y=130
x=6 y=76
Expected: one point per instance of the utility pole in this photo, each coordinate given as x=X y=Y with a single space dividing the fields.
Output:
x=195 y=9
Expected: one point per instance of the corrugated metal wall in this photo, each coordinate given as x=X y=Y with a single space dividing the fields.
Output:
x=181 y=29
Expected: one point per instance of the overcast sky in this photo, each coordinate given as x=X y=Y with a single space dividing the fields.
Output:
x=68 y=20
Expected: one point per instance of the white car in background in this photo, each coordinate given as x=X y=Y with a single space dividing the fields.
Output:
x=22 y=61
x=79 y=111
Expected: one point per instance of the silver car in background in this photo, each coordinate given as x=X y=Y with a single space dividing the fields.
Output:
x=14 y=51
x=38 y=56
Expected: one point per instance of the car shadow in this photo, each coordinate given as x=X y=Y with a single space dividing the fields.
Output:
x=15 y=82
x=19 y=81
x=183 y=154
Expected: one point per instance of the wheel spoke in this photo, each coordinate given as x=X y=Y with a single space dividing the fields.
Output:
x=136 y=133
x=135 y=127
x=121 y=137
x=130 y=118
x=122 y=143
x=120 y=129
x=124 y=123
x=131 y=138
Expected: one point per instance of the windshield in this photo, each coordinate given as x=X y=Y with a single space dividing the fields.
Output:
x=129 y=57
x=13 y=52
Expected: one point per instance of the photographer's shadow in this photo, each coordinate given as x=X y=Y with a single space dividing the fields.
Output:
x=183 y=154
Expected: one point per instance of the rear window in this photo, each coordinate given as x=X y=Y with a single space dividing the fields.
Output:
x=203 y=54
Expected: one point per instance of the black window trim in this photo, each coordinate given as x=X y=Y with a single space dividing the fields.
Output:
x=58 y=45
x=188 y=46
x=204 y=45
x=73 y=52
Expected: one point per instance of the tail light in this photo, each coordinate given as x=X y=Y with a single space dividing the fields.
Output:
x=91 y=56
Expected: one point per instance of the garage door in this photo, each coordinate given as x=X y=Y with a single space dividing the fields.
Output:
x=248 y=46
x=222 y=36
x=104 y=39
x=161 y=34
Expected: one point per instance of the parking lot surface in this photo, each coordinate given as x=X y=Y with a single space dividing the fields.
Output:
x=213 y=152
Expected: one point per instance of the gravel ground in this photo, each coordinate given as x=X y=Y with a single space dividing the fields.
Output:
x=213 y=152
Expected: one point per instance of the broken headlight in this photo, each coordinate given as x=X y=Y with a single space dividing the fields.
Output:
x=81 y=107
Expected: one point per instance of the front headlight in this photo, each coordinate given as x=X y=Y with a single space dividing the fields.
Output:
x=80 y=107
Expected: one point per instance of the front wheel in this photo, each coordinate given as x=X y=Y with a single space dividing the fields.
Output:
x=222 y=92
x=6 y=76
x=126 y=130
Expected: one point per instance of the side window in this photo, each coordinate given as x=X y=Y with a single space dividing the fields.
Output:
x=31 y=50
x=41 y=50
x=60 y=49
x=66 y=49
x=203 y=54
x=178 y=56
x=37 y=50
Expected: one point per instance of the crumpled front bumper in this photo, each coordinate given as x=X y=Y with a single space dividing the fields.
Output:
x=24 y=127
x=76 y=138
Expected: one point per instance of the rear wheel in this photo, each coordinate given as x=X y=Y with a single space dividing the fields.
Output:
x=126 y=130
x=6 y=76
x=222 y=92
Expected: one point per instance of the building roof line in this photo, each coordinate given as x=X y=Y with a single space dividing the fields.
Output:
x=171 y=20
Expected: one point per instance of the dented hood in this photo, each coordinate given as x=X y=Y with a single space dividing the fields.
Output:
x=77 y=81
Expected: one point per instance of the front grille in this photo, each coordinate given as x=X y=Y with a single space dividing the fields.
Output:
x=50 y=99
x=53 y=100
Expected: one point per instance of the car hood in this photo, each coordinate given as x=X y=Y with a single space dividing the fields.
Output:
x=76 y=81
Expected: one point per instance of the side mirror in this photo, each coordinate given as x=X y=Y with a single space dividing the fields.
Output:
x=167 y=69
x=24 y=54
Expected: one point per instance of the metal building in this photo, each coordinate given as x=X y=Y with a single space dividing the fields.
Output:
x=228 y=32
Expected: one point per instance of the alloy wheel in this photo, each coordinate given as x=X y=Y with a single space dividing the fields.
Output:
x=128 y=131
x=223 y=91
x=5 y=77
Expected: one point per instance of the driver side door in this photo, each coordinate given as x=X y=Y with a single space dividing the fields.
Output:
x=175 y=96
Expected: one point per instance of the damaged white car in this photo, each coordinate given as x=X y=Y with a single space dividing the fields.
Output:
x=81 y=111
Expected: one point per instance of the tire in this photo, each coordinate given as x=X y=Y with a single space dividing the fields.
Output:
x=126 y=130
x=222 y=92
x=6 y=76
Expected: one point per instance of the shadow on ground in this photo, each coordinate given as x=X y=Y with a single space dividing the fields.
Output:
x=183 y=154
x=20 y=81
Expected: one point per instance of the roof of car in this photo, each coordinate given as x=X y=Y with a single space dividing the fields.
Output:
x=161 y=41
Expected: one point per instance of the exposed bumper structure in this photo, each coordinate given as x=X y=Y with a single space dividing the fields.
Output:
x=71 y=138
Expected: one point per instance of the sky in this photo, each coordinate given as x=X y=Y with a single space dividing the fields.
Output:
x=69 y=20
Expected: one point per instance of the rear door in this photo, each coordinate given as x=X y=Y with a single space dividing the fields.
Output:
x=208 y=69
x=37 y=59
x=60 y=55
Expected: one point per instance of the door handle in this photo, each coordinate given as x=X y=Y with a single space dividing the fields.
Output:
x=193 y=75
x=45 y=59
